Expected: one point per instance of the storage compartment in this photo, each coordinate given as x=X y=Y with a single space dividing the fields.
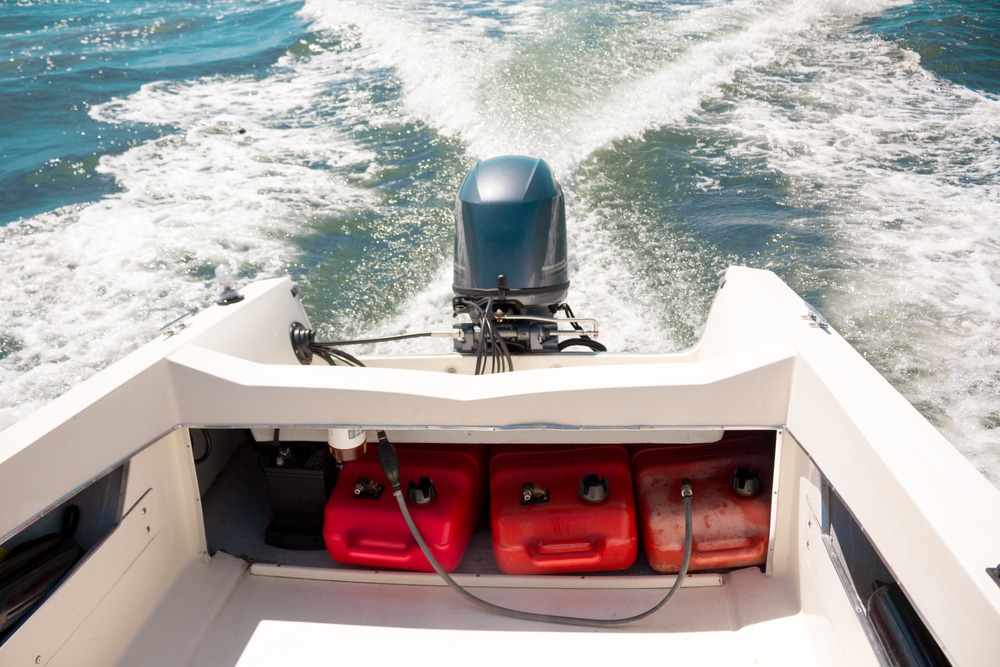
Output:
x=36 y=560
x=445 y=487
x=562 y=509
x=731 y=504
x=565 y=535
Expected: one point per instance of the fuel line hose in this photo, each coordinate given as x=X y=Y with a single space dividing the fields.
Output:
x=389 y=460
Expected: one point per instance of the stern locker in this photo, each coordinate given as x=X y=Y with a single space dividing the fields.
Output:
x=603 y=501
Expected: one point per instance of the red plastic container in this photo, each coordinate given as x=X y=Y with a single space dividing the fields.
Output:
x=555 y=529
x=367 y=528
x=731 y=527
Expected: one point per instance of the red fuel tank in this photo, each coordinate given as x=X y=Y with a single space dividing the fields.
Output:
x=562 y=509
x=444 y=485
x=731 y=501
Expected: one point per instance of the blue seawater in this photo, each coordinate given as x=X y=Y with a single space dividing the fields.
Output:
x=59 y=59
x=957 y=39
x=851 y=146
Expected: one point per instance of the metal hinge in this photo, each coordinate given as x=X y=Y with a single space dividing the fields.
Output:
x=814 y=318
x=177 y=325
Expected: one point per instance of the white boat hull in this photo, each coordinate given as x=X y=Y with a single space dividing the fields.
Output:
x=149 y=592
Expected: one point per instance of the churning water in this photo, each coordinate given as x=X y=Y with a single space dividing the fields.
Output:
x=851 y=146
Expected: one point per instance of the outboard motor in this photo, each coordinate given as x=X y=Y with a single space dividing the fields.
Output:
x=511 y=271
x=510 y=234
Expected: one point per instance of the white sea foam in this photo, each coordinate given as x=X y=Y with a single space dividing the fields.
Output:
x=246 y=166
x=529 y=81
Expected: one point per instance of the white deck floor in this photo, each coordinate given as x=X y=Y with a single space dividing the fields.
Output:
x=246 y=619
x=310 y=611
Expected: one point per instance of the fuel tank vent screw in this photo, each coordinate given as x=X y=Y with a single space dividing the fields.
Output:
x=593 y=488
x=532 y=494
x=367 y=489
x=421 y=492
x=746 y=481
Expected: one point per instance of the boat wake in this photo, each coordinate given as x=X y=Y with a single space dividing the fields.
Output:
x=687 y=137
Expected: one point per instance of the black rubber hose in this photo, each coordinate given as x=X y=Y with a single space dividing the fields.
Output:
x=585 y=342
x=390 y=463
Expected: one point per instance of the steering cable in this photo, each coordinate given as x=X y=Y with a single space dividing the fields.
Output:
x=389 y=460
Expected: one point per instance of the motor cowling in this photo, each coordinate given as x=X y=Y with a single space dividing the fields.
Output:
x=510 y=233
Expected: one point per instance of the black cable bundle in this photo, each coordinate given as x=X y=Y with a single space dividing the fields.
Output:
x=305 y=345
x=330 y=354
x=490 y=341
x=489 y=344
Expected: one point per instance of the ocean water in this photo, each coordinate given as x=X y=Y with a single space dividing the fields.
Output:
x=851 y=146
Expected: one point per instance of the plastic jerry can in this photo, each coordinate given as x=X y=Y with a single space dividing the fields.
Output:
x=731 y=502
x=560 y=509
x=444 y=487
